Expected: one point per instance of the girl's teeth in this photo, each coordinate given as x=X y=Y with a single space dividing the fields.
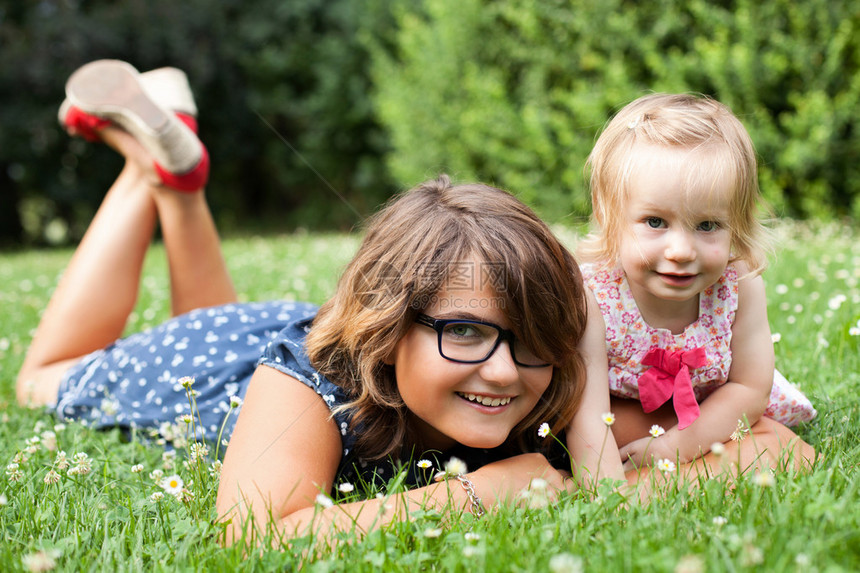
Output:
x=486 y=400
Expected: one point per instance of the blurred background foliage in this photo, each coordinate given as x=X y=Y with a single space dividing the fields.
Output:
x=316 y=111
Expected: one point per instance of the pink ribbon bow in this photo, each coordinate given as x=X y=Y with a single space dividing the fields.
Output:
x=669 y=377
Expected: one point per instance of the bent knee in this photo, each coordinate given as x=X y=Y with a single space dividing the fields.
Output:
x=39 y=386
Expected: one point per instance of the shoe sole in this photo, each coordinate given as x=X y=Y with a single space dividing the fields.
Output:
x=112 y=88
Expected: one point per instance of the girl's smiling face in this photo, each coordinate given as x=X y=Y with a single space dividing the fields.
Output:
x=452 y=402
x=676 y=240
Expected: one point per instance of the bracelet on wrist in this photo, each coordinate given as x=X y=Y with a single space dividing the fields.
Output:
x=475 y=505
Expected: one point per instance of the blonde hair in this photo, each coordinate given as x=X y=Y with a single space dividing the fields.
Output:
x=721 y=147
x=410 y=249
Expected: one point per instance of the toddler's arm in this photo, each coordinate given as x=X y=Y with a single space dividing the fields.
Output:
x=744 y=397
x=590 y=441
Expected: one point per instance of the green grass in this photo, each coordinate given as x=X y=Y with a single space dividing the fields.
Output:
x=106 y=520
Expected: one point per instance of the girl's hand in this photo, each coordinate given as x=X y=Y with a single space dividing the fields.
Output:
x=506 y=481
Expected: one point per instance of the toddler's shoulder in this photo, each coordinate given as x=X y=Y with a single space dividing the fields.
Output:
x=597 y=276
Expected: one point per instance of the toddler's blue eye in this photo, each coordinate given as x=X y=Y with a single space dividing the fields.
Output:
x=654 y=222
x=708 y=226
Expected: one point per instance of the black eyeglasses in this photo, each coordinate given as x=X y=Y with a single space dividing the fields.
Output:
x=473 y=341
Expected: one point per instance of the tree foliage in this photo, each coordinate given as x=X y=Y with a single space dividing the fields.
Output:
x=283 y=90
x=315 y=111
x=514 y=92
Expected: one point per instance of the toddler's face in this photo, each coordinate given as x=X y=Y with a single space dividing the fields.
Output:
x=476 y=405
x=676 y=240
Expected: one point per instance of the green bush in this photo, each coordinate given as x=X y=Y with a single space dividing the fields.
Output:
x=283 y=90
x=514 y=92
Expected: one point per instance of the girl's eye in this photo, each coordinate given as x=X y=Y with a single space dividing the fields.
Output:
x=461 y=330
x=654 y=222
x=708 y=226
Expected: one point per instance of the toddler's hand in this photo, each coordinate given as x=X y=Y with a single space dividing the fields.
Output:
x=649 y=450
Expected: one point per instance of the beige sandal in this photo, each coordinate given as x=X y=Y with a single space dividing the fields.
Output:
x=112 y=90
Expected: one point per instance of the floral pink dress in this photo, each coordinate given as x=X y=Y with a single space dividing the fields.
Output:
x=629 y=338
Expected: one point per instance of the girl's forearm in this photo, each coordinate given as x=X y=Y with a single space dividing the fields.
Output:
x=360 y=517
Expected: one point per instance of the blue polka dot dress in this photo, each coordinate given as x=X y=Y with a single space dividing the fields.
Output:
x=136 y=382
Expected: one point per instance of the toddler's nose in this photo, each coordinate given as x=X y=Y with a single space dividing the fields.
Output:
x=679 y=247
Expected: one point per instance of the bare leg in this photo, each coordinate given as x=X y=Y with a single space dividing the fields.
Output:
x=98 y=290
x=769 y=446
x=198 y=273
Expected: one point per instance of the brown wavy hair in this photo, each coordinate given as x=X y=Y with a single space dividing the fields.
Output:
x=720 y=145
x=409 y=250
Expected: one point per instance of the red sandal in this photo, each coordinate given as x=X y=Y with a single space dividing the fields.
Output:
x=111 y=91
x=168 y=87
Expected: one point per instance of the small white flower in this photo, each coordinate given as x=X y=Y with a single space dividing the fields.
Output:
x=235 y=401
x=775 y=337
x=472 y=536
x=455 y=467
x=565 y=563
x=186 y=382
x=39 y=561
x=538 y=484
x=156 y=475
x=83 y=464
x=198 y=451
x=172 y=484
x=835 y=302
x=543 y=430
x=137 y=468
x=345 y=487
x=665 y=465
x=719 y=520
x=432 y=532
x=424 y=464
x=781 y=289
x=185 y=418
x=690 y=564
x=608 y=418
x=657 y=431
x=741 y=432
x=3 y=499
x=109 y=406
x=718 y=449
x=52 y=477
x=215 y=468
x=764 y=479
x=49 y=440
x=13 y=472
x=324 y=501
x=157 y=496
